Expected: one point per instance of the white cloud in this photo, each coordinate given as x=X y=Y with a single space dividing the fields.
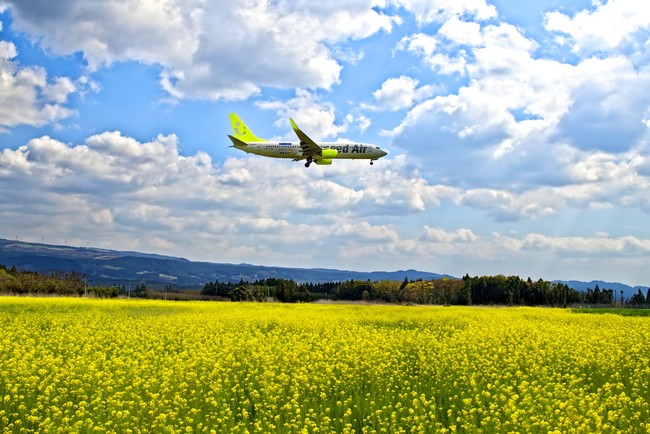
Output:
x=107 y=31
x=400 y=93
x=596 y=245
x=27 y=97
x=7 y=50
x=611 y=26
x=363 y=231
x=315 y=117
x=101 y=218
x=524 y=126
x=420 y=43
x=608 y=104
x=426 y=46
x=504 y=205
x=439 y=235
x=59 y=91
x=209 y=50
x=429 y=11
x=398 y=189
x=461 y=32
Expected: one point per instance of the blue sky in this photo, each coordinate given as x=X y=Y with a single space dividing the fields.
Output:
x=518 y=134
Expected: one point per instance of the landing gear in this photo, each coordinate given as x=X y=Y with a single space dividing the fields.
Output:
x=371 y=162
x=309 y=161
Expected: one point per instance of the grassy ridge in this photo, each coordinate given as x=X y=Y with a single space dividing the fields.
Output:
x=150 y=366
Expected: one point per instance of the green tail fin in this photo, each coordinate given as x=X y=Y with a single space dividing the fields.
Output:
x=241 y=131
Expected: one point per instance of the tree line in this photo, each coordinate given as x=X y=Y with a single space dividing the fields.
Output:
x=483 y=290
x=283 y=290
x=497 y=290
x=66 y=283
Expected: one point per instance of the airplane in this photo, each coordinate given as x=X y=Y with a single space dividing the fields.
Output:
x=306 y=149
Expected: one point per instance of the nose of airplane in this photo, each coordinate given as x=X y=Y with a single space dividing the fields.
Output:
x=382 y=153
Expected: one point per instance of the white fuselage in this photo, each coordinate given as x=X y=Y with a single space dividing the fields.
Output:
x=293 y=150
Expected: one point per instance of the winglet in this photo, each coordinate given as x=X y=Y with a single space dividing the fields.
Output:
x=241 y=131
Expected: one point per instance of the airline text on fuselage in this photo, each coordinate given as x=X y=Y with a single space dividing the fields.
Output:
x=343 y=149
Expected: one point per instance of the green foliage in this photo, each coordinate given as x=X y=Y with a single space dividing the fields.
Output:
x=514 y=291
x=596 y=296
x=283 y=290
x=387 y=290
x=638 y=298
x=352 y=289
x=442 y=291
x=484 y=290
x=64 y=283
x=287 y=291
x=103 y=291
x=623 y=312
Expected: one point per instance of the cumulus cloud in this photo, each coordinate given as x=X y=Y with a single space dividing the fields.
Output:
x=430 y=11
x=440 y=235
x=400 y=93
x=524 y=125
x=107 y=31
x=504 y=205
x=596 y=245
x=209 y=50
x=612 y=26
x=461 y=32
x=314 y=116
x=27 y=96
x=439 y=60
x=608 y=105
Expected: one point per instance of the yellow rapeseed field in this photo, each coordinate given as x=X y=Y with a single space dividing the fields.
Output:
x=126 y=366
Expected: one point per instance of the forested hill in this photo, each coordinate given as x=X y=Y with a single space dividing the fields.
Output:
x=111 y=267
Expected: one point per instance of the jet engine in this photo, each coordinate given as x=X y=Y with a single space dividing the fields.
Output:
x=323 y=161
x=329 y=153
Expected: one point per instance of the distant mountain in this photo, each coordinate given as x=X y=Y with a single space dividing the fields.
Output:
x=111 y=267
